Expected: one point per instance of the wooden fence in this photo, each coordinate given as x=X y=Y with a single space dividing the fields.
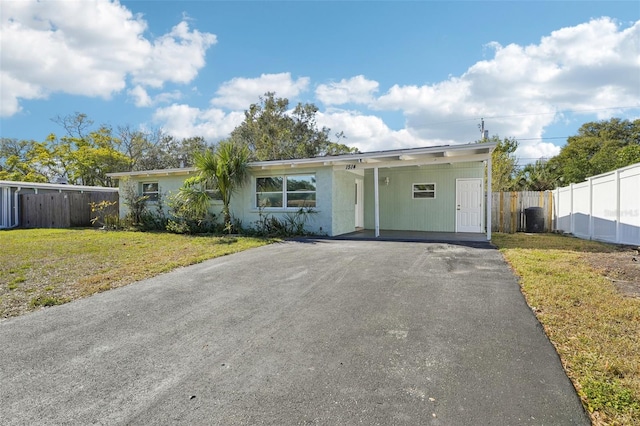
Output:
x=61 y=209
x=508 y=210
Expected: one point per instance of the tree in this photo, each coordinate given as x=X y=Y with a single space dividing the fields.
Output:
x=272 y=133
x=535 y=177
x=16 y=161
x=599 y=147
x=82 y=160
x=503 y=164
x=154 y=150
x=225 y=169
x=76 y=125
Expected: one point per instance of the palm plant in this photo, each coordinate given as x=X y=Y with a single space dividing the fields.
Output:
x=225 y=169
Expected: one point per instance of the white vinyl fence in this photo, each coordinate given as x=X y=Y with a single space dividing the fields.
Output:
x=605 y=207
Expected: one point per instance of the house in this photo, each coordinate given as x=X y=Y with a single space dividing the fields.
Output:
x=433 y=189
x=23 y=204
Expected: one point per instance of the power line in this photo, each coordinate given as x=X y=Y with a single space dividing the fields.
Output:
x=567 y=111
x=542 y=138
x=462 y=120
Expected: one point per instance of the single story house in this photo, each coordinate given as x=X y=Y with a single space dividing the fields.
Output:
x=433 y=189
x=11 y=192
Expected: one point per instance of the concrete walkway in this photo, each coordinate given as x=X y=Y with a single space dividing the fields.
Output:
x=318 y=332
x=466 y=238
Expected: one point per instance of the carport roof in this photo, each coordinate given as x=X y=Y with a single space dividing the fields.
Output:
x=394 y=158
x=390 y=158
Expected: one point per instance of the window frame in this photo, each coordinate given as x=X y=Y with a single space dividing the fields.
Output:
x=153 y=196
x=284 y=192
x=415 y=191
x=211 y=190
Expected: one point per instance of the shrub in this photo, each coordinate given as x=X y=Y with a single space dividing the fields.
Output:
x=290 y=225
x=105 y=214
x=190 y=213
x=46 y=301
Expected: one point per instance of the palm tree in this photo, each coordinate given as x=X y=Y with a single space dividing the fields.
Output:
x=226 y=169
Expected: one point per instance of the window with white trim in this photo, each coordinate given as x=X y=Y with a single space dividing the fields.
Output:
x=212 y=190
x=150 y=190
x=424 y=191
x=286 y=191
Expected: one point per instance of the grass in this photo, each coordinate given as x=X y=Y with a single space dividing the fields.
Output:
x=46 y=267
x=594 y=328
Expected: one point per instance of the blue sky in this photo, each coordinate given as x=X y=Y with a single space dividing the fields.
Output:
x=387 y=74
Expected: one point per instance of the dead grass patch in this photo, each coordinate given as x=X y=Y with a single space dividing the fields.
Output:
x=45 y=267
x=594 y=327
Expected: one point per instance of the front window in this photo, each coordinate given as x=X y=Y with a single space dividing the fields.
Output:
x=424 y=190
x=212 y=190
x=292 y=191
x=150 y=190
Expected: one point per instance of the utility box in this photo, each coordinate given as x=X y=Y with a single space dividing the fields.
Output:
x=534 y=217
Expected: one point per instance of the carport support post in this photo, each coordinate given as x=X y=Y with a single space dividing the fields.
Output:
x=489 y=197
x=376 y=202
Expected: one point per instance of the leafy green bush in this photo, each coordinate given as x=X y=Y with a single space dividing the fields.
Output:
x=46 y=301
x=602 y=394
x=105 y=214
x=290 y=225
x=189 y=212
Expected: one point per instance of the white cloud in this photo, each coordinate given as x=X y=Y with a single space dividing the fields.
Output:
x=176 y=57
x=141 y=97
x=530 y=150
x=354 y=90
x=183 y=121
x=9 y=104
x=366 y=132
x=522 y=90
x=239 y=93
x=88 y=48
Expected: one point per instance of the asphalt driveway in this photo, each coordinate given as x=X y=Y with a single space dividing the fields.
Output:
x=318 y=332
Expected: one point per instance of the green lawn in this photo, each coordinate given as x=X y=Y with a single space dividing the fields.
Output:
x=595 y=329
x=44 y=267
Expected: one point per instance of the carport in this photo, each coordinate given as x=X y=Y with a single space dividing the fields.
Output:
x=434 y=189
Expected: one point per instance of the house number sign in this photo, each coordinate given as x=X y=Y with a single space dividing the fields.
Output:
x=350 y=166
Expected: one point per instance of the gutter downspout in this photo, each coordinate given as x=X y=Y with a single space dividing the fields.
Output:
x=5 y=215
x=15 y=208
x=376 y=199
x=489 y=196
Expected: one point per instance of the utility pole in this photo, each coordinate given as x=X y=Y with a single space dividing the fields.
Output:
x=484 y=134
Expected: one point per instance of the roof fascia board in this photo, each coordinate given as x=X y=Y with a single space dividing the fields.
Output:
x=160 y=172
x=425 y=161
x=373 y=159
x=381 y=156
x=56 y=186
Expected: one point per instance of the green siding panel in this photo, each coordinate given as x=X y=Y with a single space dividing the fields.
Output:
x=398 y=209
x=243 y=203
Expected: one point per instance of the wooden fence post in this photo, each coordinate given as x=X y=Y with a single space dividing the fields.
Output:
x=501 y=215
x=514 y=212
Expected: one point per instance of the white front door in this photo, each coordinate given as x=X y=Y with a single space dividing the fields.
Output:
x=359 y=204
x=469 y=201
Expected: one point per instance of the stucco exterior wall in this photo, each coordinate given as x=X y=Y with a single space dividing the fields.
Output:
x=343 y=194
x=243 y=203
x=167 y=186
x=398 y=209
